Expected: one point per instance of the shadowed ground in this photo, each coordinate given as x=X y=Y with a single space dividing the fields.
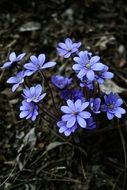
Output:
x=90 y=160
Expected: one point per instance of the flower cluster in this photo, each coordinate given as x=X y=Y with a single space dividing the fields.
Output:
x=80 y=98
x=32 y=95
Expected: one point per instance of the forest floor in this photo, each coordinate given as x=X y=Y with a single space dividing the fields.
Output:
x=33 y=155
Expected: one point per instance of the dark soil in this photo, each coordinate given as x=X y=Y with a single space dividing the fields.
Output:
x=94 y=160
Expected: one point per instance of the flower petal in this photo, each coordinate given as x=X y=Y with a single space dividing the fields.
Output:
x=66 y=109
x=98 y=67
x=71 y=104
x=84 y=105
x=110 y=116
x=94 y=59
x=12 y=57
x=20 y=57
x=85 y=115
x=7 y=64
x=71 y=121
x=41 y=59
x=12 y=80
x=48 y=65
x=15 y=87
x=81 y=122
x=34 y=59
x=90 y=75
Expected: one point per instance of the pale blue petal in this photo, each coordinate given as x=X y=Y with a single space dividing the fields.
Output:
x=71 y=121
x=20 y=57
x=41 y=59
x=84 y=105
x=94 y=59
x=85 y=115
x=68 y=42
x=66 y=109
x=67 y=132
x=66 y=117
x=110 y=116
x=81 y=122
x=12 y=80
x=77 y=67
x=15 y=87
x=71 y=104
x=23 y=114
x=78 y=104
x=98 y=67
x=67 y=55
x=121 y=110
x=12 y=57
x=48 y=65
x=34 y=59
x=90 y=75
x=7 y=64
x=62 y=45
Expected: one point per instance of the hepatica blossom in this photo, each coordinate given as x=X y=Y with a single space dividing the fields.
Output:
x=13 y=59
x=81 y=93
x=95 y=105
x=63 y=128
x=37 y=64
x=61 y=82
x=75 y=114
x=34 y=94
x=86 y=65
x=112 y=106
x=29 y=110
x=67 y=48
x=16 y=80
x=72 y=94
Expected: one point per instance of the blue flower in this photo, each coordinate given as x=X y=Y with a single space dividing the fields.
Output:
x=86 y=65
x=13 y=59
x=61 y=82
x=37 y=64
x=101 y=76
x=28 y=110
x=16 y=80
x=75 y=114
x=66 y=49
x=95 y=105
x=112 y=106
x=34 y=94
x=71 y=94
x=63 y=128
x=85 y=82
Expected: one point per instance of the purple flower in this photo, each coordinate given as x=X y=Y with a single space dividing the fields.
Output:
x=63 y=128
x=85 y=82
x=95 y=105
x=16 y=80
x=13 y=59
x=28 y=110
x=112 y=106
x=34 y=94
x=104 y=74
x=75 y=114
x=71 y=94
x=66 y=49
x=86 y=65
x=90 y=123
x=61 y=82
x=37 y=64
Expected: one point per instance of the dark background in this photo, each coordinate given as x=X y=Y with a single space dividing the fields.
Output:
x=88 y=161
